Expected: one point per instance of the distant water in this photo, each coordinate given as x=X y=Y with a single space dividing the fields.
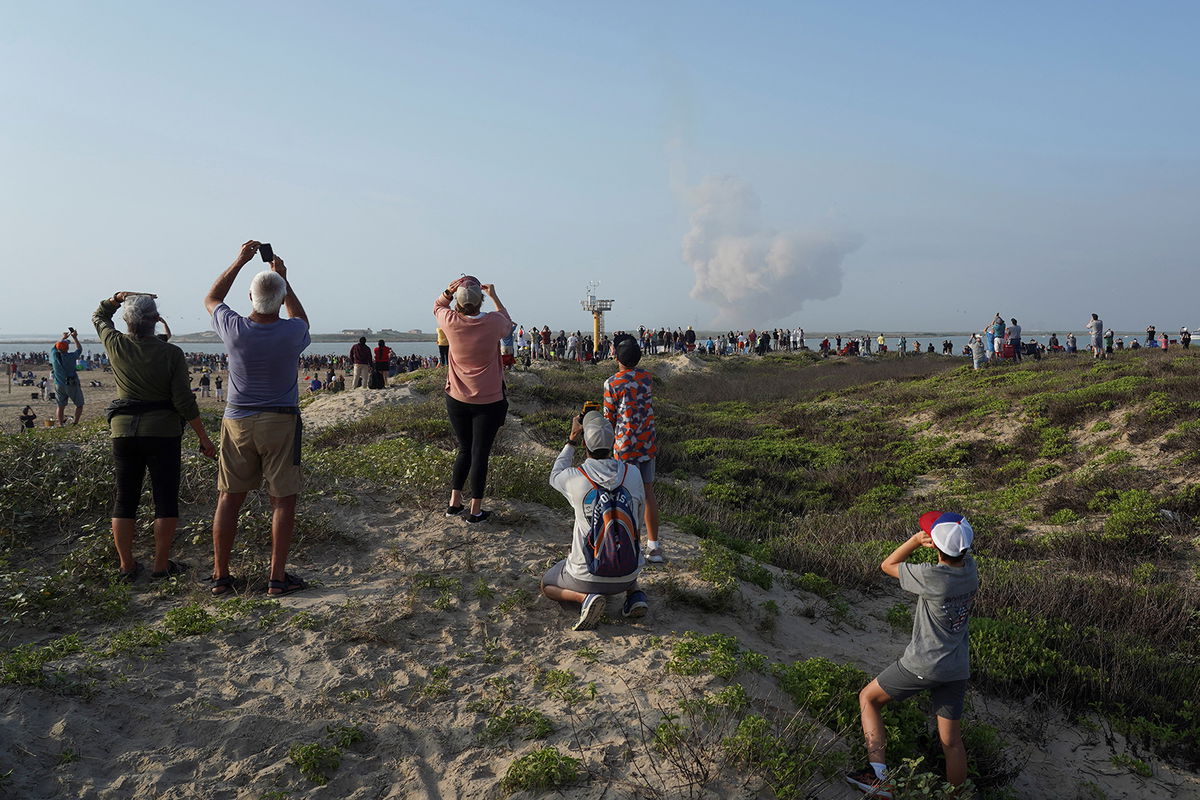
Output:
x=812 y=341
x=316 y=348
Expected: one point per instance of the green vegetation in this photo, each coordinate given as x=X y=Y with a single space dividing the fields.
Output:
x=315 y=761
x=822 y=473
x=713 y=653
x=532 y=722
x=542 y=769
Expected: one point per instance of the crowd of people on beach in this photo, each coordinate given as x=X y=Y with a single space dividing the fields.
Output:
x=610 y=489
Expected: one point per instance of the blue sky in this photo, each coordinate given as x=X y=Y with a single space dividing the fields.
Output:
x=1039 y=159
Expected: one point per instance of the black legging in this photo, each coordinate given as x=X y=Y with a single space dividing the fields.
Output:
x=132 y=456
x=475 y=425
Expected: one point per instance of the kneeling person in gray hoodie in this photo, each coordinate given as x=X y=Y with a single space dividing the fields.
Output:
x=609 y=501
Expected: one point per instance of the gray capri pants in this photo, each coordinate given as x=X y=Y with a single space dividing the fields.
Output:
x=557 y=576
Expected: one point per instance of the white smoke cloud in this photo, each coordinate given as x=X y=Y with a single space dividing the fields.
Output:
x=752 y=274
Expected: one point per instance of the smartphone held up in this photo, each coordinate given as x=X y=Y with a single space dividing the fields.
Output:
x=264 y=250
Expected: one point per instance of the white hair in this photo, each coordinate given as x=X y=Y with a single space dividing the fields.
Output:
x=267 y=291
x=140 y=313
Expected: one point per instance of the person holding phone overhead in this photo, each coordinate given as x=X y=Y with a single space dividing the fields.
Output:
x=154 y=400
x=260 y=430
x=64 y=369
x=475 y=398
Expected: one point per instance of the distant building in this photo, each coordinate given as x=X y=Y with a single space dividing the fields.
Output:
x=356 y=331
x=415 y=330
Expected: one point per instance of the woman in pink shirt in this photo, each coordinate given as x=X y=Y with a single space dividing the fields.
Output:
x=475 y=398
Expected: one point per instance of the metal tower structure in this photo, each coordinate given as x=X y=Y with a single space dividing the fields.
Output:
x=597 y=307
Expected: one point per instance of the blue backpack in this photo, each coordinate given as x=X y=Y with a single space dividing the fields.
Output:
x=612 y=548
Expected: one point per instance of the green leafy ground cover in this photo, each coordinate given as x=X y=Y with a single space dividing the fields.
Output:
x=820 y=468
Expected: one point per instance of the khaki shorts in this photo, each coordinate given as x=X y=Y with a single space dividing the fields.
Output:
x=256 y=449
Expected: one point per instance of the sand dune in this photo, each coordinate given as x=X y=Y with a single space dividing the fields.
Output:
x=417 y=632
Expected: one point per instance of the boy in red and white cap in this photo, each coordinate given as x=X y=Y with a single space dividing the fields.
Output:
x=936 y=657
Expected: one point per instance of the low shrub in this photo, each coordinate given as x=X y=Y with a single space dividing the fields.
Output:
x=542 y=769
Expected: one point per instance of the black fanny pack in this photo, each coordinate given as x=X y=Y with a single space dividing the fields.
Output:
x=135 y=407
x=293 y=410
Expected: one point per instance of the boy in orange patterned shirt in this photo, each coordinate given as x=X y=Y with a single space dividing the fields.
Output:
x=629 y=408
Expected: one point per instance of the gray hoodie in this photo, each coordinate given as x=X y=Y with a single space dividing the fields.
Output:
x=607 y=473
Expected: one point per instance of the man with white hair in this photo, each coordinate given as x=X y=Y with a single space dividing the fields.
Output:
x=260 y=432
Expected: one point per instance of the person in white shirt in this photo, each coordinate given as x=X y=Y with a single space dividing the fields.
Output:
x=1096 y=328
x=586 y=576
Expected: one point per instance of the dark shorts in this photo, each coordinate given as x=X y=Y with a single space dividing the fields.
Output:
x=947 y=696
x=557 y=576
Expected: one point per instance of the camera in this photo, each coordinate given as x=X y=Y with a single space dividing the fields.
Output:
x=590 y=405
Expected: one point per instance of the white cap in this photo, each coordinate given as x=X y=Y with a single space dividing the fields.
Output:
x=950 y=532
x=597 y=433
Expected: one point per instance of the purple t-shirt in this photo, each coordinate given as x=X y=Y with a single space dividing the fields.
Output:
x=262 y=360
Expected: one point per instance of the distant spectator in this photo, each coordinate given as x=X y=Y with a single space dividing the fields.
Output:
x=383 y=359
x=443 y=346
x=1095 y=328
x=63 y=366
x=360 y=358
x=1014 y=339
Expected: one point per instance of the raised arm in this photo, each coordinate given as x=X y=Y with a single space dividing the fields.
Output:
x=891 y=564
x=103 y=316
x=290 y=301
x=490 y=289
x=220 y=288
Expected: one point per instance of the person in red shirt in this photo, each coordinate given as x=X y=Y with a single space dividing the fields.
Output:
x=629 y=408
x=383 y=358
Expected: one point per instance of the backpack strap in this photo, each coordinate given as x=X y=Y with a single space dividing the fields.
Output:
x=596 y=486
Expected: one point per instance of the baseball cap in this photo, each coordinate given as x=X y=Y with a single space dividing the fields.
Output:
x=62 y=345
x=469 y=295
x=597 y=433
x=951 y=532
x=628 y=352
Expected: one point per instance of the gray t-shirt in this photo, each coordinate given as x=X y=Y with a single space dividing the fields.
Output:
x=262 y=360
x=938 y=649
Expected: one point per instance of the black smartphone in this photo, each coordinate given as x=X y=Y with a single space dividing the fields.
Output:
x=264 y=250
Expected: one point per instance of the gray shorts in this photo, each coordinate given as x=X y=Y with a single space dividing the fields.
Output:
x=557 y=576
x=72 y=392
x=647 y=469
x=947 y=696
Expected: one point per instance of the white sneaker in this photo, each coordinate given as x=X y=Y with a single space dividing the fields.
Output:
x=654 y=554
x=590 y=613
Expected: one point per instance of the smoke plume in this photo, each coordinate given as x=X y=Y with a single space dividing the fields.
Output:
x=752 y=274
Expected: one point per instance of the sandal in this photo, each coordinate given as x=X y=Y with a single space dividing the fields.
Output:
x=221 y=586
x=130 y=577
x=173 y=568
x=289 y=584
